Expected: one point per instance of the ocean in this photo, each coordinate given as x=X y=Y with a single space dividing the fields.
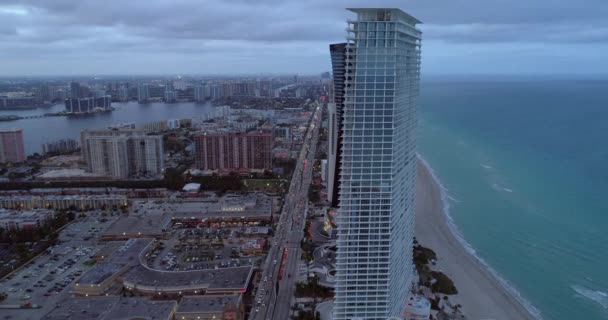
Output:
x=525 y=165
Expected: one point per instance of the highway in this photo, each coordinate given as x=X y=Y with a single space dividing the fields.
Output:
x=274 y=296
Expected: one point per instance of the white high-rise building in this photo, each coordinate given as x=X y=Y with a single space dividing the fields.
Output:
x=377 y=177
x=122 y=153
x=143 y=93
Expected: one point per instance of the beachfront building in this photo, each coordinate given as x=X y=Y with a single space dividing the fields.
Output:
x=376 y=197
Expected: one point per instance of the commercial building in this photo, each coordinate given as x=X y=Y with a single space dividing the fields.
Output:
x=58 y=202
x=112 y=308
x=24 y=219
x=230 y=151
x=125 y=266
x=122 y=153
x=101 y=276
x=211 y=307
x=377 y=179
x=335 y=111
x=146 y=281
x=11 y=145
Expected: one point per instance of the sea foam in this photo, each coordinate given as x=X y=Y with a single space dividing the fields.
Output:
x=593 y=295
x=456 y=232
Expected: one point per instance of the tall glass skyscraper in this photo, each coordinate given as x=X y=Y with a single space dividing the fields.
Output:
x=335 y=107
x=377 y=179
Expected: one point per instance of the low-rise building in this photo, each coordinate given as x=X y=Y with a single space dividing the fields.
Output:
x=57 y=202
x=210 y=307
x=112 y=308
x=101 y=276
x=253 y=246
x=147 y=281
x=24 y=220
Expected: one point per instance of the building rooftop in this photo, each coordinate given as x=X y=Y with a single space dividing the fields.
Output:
x=229 y=206
x=191 y=187
x=236 y=278
x=126 y=255
x=190 y=304
x=399 y=13
x=111 y=308
x=66 y=173
x=137 y=224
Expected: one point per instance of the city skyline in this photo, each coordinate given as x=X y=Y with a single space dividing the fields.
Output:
x=469 y=37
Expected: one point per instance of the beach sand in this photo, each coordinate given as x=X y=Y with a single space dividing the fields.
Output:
x=481 y=295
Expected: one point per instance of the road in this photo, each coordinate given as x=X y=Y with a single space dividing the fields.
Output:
x=270 y=304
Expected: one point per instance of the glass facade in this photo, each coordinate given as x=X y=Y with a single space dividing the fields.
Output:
x=376 y=198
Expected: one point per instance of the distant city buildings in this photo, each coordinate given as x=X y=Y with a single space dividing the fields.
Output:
x=88 y=105
x=7 y=102
x=123 y=94
x=75 y=90
x=199 y=94
x=170 y=96
x=11 y=145
x=143 y=93
x=122 y=153
x=60 y=146
x=229 y=151
x=44 y=94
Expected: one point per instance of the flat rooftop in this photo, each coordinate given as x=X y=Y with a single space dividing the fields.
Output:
x=228 y=206
x=125 y=255
x=190 y=304
x=67 y=173
x=111 y=308
x=144 y=224
x=226 y=278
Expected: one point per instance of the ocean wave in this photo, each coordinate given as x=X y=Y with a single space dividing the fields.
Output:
x=485 y=166
x=456 y=232
x=454 y=199
x=499 y=188
x=593 y=295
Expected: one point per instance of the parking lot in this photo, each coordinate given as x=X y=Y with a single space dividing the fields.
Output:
x=205 y=248
x=46 y=280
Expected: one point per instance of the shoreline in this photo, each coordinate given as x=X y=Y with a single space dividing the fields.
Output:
x=482 y=292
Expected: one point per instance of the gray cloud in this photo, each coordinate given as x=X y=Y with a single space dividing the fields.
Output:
x=285 y=31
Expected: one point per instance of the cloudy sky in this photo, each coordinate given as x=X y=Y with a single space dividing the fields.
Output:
x=67 y=37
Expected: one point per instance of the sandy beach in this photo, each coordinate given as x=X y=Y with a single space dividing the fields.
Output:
x=479 y=292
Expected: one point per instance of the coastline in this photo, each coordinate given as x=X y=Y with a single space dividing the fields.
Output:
x=481 y=291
